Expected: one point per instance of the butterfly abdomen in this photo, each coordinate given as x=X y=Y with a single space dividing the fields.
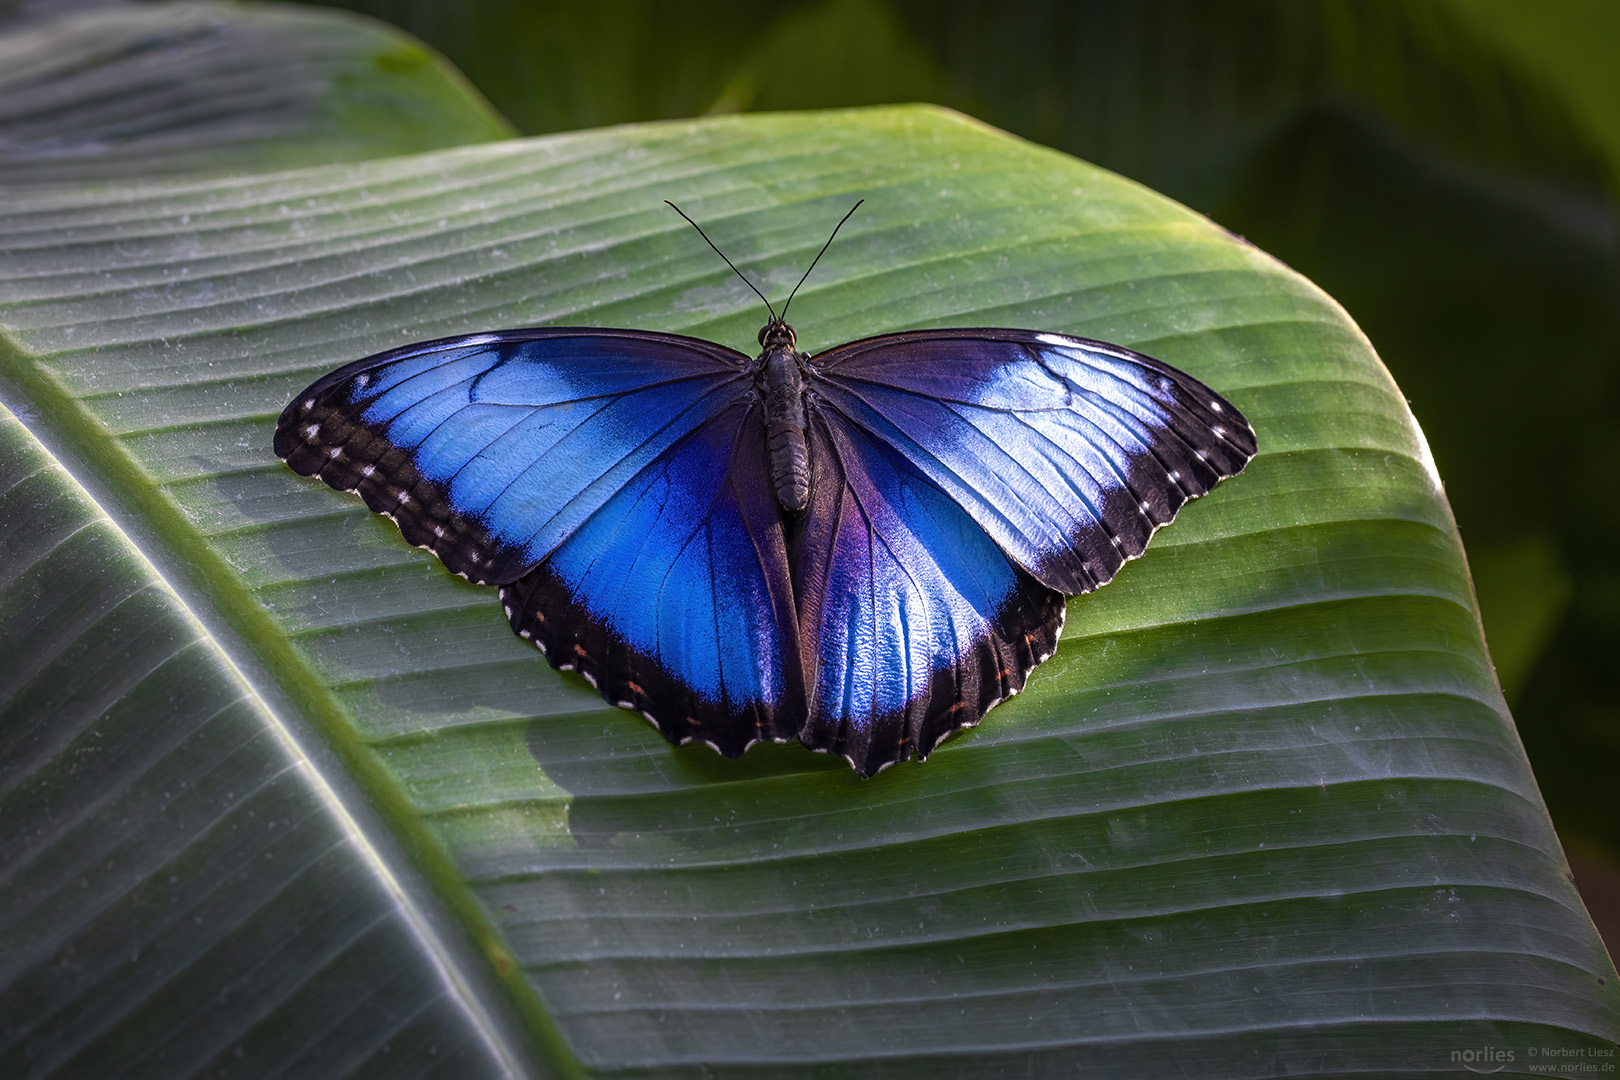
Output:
x=782 y=385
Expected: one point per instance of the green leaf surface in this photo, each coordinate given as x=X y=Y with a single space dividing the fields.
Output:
x=183 y=889
x=1264 y=812
x=154 y=89
x=1444 y=168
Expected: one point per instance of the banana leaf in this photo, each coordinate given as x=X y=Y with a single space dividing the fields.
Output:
x=1265 y=812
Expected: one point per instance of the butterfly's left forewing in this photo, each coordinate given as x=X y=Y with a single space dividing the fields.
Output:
x=490 y=450
x=611 y=481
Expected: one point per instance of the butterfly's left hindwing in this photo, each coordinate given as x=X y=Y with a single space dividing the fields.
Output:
x=674 y=598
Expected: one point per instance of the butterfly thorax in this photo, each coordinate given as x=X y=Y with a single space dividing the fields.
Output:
x=781 y=386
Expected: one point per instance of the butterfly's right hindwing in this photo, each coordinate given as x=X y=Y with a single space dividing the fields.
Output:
x=913 y=622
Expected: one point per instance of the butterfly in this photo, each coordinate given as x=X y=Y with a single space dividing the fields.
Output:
x=864 y=550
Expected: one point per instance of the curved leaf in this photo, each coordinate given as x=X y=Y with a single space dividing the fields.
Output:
x=1265 y=811
x=182 y=887
x=1444 y=169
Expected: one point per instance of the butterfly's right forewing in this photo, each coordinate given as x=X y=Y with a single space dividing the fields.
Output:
x=1070 y=453
x=964 y=481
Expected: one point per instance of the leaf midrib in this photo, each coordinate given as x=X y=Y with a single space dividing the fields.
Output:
x=75 y=441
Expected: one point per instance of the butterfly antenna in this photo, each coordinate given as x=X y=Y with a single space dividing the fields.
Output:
x=729 y=263
x=819 y=254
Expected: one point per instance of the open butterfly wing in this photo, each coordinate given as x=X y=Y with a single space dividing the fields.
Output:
x=1068 y=452
x=489 y=450
x=913 y=622
x=674 y=598
x=964 y=481
x=611 y=480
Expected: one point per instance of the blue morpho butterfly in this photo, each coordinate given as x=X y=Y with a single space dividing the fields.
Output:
x=865 y=549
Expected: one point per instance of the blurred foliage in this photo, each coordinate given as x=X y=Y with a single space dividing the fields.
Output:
x=176 y=88
x=1570 y=45
x=1445 y=168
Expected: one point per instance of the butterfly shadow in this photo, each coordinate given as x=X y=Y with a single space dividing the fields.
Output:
x=625 y=778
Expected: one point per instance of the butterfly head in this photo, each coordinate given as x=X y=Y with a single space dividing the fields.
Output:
x=777 y=333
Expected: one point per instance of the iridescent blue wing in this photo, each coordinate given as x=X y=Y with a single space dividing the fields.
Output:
x=601 y=477
x=913 y=623
x=1069 y=453
x=964 y=481
x=674 y=599
x=489 y=450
